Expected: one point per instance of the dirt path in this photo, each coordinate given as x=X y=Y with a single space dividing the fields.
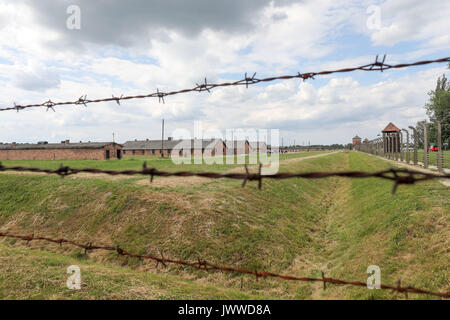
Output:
x=287 y=161
x=308 y=157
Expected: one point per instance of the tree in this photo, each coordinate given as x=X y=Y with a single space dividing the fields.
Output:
x=438 y=107
x=419 y=129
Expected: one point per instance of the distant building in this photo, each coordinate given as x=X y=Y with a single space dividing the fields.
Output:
x=356 y=141
x=257 y=147
x=185 y=147
x=237 y=147
x=207 y=147
x=58 y=151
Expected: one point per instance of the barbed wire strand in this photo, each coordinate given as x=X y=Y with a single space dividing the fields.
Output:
x=207 y=266
x=399 y=176
x=82 y=100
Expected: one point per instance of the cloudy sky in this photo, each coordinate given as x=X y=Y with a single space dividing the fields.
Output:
x=133 y=47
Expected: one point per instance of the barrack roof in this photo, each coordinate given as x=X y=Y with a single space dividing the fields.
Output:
x=45 y=146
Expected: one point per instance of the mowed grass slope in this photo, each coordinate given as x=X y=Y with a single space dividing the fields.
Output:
x=406 y=234
x=295 y=226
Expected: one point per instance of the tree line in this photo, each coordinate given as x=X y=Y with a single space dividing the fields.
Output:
x=437 y=107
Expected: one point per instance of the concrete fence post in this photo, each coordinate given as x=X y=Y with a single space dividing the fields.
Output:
x=381 y=145
x=398 y=146
x=440 y=155
x=392 y=147
x=386 y=147
x=415 y=144
x=388 y=151
x=407 y=146
x=425 y=145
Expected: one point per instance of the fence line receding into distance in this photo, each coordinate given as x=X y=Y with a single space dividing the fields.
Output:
x=207 y=266
x=375 y=66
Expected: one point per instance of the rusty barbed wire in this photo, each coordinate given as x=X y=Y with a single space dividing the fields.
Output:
x=207 y=266
x=246 y=81
x=399 y=176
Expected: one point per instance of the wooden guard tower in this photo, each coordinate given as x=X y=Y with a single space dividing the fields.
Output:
x=391 y=139
x=356 y=141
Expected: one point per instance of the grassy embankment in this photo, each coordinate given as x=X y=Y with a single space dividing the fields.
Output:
x=295 y=226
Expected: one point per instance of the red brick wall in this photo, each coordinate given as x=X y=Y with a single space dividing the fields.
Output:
x=60 y=154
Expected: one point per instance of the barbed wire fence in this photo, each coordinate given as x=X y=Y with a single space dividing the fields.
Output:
x=397 y=145
x=207 y=87
x=207 y=266
x=398 y=176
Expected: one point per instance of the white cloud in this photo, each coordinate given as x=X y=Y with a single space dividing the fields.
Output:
x=406 y=20
x=39 y=60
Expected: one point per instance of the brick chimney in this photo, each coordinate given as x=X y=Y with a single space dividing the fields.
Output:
x=67 y=141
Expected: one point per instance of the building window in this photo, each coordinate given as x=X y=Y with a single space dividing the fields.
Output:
x=133 y=152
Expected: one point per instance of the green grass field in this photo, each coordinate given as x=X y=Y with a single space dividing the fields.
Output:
x=296 y=226
x=136 y=162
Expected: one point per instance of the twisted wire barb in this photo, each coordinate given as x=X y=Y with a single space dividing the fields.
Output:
x=399 y=176
x=246 y=81
x=207 y=266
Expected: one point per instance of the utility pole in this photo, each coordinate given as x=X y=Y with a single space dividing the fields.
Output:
x=162 y=139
